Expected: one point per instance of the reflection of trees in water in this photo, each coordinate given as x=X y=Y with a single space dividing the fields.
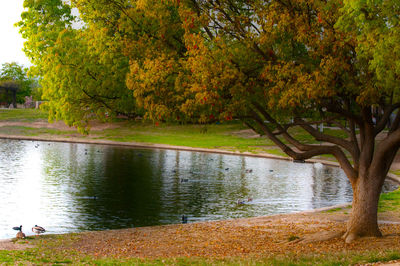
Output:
x=194 y=183
x=330 y=186
x=109 y=187
x=131 y=186
x=11 y=150
x=143 y=187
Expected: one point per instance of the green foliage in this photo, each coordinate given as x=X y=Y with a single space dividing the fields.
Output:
x=376 y=24
x=18 y=74
x=82 y=70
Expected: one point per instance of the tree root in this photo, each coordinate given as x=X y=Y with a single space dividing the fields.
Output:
x=350 y=236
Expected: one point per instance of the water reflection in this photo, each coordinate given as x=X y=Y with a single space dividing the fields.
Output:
x=73 y=187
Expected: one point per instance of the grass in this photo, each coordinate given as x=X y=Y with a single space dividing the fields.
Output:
x=47 y=252
x=30 y=131
x=22 y=115
x=389 y=201
x=227 y=136
x=224 y=136
x=216 y=137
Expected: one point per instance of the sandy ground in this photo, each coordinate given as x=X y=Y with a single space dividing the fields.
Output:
x=9 y=244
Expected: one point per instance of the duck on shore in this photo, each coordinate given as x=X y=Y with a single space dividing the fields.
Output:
x=20 y=234
x=38 y=229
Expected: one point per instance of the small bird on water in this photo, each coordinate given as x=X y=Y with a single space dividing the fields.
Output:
x=184 y=219
x=38 y=229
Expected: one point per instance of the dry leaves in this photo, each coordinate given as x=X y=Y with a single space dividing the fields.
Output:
x=261 y=236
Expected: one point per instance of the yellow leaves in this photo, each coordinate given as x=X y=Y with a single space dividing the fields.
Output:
x=141 y=4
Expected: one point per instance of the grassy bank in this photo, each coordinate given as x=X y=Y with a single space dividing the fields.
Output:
x=22 y=115
x=229 y=136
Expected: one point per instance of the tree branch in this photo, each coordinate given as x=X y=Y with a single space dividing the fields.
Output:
x=385 y=118
x=347 y=145
x=313 y=151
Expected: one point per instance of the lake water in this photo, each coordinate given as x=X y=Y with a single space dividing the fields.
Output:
x=67 y=187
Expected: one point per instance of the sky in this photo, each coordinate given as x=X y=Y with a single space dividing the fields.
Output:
x=11 y=43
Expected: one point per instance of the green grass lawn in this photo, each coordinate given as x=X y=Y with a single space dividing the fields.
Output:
x=221 y=136
x=225 y=136
x=22 y=115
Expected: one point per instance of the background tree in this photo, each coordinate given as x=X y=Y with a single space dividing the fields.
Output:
x=18 y=74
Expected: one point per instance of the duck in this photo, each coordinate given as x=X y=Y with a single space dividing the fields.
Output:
x=38 y=229
x=18 y=228
x=240 y=202
x=20 y=234
x=184 y=219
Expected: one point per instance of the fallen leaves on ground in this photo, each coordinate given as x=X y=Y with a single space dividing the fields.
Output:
x=302 y=233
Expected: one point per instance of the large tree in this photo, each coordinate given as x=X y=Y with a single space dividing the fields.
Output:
x=283 y=64
x=275 y=65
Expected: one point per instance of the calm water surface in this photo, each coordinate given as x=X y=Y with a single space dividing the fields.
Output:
x=77 y=187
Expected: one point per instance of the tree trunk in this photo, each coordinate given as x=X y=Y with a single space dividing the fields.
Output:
x=364 y=216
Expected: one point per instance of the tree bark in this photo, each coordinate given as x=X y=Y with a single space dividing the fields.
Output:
x=364 y=216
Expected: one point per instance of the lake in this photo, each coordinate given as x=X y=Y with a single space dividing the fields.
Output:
x=67 y=187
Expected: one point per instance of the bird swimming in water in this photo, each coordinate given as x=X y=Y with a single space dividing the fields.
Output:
x=184 y=219
x=240 y=202
x=38 y=229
